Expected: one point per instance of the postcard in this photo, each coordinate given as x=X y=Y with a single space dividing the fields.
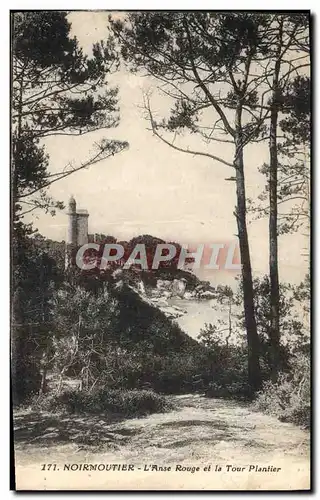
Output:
x=160 y=234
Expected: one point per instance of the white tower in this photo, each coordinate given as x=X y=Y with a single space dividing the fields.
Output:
x=77 y=230
x=72 y=222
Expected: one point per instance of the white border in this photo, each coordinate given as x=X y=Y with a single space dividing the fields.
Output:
x=163 y=5
x=4 y=184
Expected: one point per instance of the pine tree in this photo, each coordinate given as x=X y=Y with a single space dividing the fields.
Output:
x=56 y=90
x=203 y=62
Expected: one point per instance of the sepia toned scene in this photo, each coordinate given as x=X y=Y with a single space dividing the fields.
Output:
x=160 y=269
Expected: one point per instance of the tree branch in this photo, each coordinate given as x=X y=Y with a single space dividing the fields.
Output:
x=204 y=87
x=97 y=158
x=177 y=148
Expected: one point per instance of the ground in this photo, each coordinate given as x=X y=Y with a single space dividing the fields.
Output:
x=200 y=432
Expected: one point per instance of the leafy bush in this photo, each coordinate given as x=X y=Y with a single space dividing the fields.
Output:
x=140 y=368
x=289 y=398
x=176 y=374
x=121 y=402
x=226 y=373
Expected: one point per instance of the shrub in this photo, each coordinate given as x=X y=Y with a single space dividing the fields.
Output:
x=226 y=372
x=289 y=398
x=114 y=401
x=171 y=373
x=235 y=390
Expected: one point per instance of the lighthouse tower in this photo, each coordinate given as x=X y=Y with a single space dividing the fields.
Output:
x=72 y=222
x=77 y=230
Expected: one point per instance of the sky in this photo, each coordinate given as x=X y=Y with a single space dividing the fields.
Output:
x=152 y=189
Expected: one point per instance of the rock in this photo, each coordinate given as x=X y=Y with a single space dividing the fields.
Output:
x=161 y=301
x=199 y=287
x=163 y=284
x=179 y=287
x=172 y=312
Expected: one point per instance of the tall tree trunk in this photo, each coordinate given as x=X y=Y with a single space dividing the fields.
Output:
x=273 y=249
x=254 y=373
x=14 y=171
x=273 y=225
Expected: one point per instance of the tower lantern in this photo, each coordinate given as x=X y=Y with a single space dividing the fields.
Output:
x=72 y=205
x=72 y=223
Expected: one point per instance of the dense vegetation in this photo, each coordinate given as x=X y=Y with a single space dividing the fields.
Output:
x=114 y=402
x=87 y=340
x=100 y=336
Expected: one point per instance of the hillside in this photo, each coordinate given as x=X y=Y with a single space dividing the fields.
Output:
x=167 y=270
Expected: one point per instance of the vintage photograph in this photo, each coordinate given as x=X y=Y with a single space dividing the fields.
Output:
x=160 y=250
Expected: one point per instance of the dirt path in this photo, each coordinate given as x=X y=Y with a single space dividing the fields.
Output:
x=199 y=433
